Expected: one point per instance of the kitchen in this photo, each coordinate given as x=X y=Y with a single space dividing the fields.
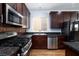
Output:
x=39 y=29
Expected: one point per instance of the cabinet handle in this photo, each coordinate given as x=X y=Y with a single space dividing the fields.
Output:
x=1 y=18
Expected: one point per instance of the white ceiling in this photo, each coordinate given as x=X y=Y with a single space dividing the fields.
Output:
x=40 y=6
x=52 y=6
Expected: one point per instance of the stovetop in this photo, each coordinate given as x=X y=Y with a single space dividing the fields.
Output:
x=16 y=41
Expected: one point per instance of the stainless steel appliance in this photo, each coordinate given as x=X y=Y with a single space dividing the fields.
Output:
x=52 y=43
x=71 y=26
x=12 y=40
x=76 y=26
x=26 y=48
x=66 y=30
x=11 y=16
x=75 y=31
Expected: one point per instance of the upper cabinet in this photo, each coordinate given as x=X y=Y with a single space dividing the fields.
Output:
x=74 y=16
x=70 y=16
x=26 y=19
x=13 y=5
x=1 y=13
x=56 y=19
x=19 y=8
x=22 y=9
x=66 y=16
x=78 y=15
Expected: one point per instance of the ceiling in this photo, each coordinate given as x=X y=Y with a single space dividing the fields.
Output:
x=52 y=6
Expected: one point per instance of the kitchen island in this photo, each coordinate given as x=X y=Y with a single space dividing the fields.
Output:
x=72 y=48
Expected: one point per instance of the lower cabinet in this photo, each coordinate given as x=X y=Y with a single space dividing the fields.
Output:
x=39 y=41
x=70 y=51
x=60 y=42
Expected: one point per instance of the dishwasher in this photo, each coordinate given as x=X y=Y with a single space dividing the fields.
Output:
x=52 y=43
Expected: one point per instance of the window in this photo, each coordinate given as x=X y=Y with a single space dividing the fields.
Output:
x=39 y=24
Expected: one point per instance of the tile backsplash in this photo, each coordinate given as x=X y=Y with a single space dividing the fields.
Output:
x=11 y=29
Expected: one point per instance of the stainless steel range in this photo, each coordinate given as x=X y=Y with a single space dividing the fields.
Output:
x=25 y=45
x=23 y=42
x=26 y=48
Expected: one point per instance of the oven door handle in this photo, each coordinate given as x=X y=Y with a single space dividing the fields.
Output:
x=24 y=54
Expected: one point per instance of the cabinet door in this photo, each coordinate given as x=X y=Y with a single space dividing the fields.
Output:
x=60 y=42
x=70 y=51
x=67 y=16
x=34 y=42
x=26 y=18
x=1 y=12
x=56 y=20
x=74 y=16
x=19 y=8
x=24 y=22
x=39 y=42
x=53 y=20
x=13 y=5
x=59 y=19
x=78 y=15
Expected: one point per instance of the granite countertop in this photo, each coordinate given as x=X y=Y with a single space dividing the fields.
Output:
x=43 y=32
x=8 y=51
x=73 y=45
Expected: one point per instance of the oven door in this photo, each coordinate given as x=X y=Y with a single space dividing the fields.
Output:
x=26 y=49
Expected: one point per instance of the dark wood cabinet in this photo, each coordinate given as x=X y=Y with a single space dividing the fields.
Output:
x=74 y=16
x=56 y=19
x=66 y=16
x=53 y=20
x=60 y=19
x=78 y=15
x=25 y=16
x=70 y=16
x=1 y=12
x=39 y=41
x=70 y=51
x=60 y=42
x=26 y=19
x=13 y=5
x=22 y=9
x=19 y=8
x=0 y=8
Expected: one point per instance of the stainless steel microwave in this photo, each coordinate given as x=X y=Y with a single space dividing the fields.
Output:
x=11 y=16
